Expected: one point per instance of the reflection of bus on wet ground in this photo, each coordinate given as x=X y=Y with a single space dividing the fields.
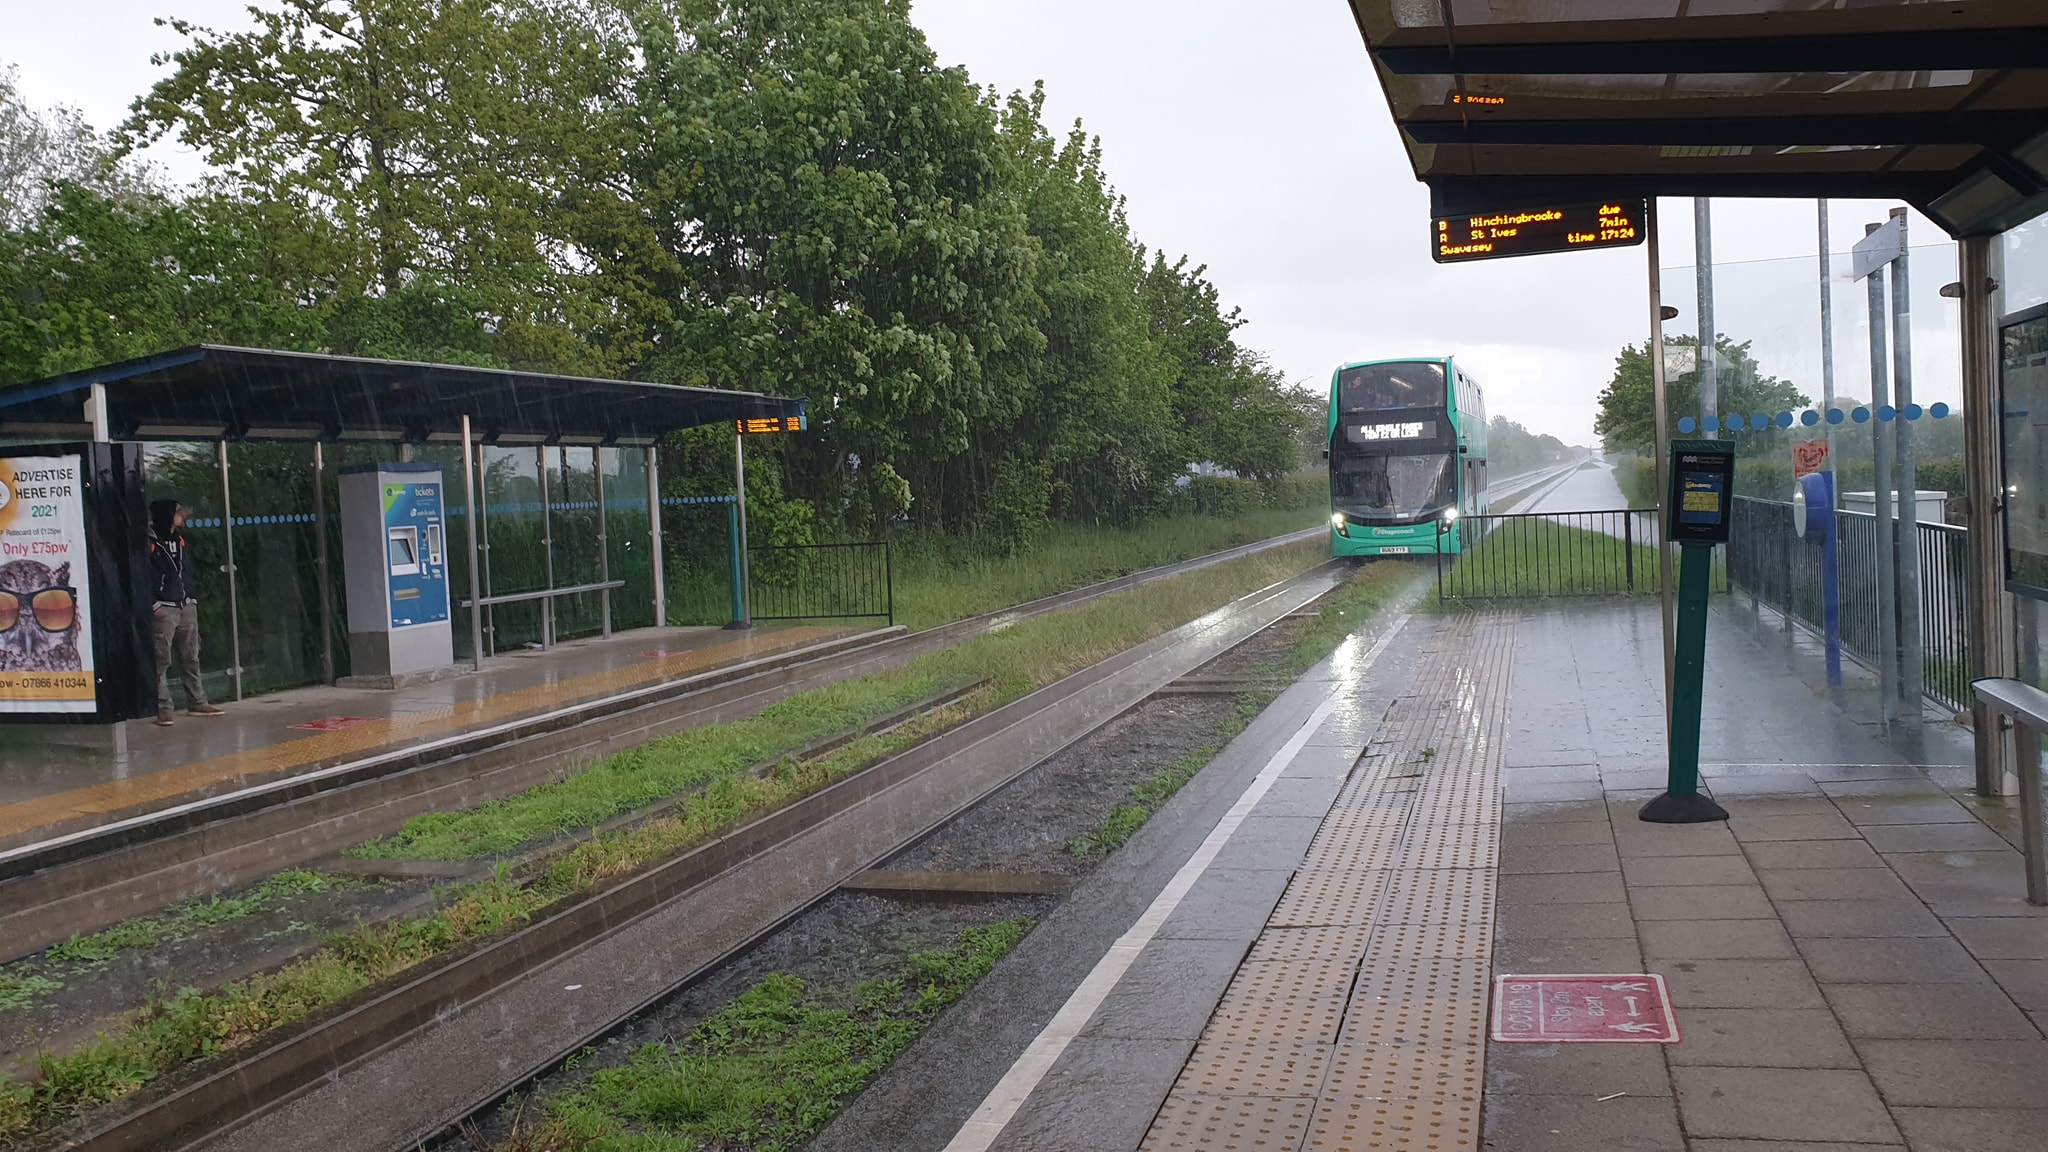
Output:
x=1407 y=456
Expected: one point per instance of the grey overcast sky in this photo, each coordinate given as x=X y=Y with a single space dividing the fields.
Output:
x=1252 y=137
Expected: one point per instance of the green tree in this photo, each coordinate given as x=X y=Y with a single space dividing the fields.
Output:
x=1628 y=411
x=437 y=141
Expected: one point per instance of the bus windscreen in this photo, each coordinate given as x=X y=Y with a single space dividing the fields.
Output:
x=1371 y=387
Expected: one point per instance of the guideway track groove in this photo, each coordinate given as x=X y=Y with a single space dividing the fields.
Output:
x=78 y=883
x=410 y=1053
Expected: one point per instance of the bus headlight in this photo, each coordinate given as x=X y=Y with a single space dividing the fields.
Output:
x=1452 y=516
x=1337 y=522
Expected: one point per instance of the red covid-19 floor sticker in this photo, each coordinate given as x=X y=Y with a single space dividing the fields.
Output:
x=1633 y=1008
x=334 y=723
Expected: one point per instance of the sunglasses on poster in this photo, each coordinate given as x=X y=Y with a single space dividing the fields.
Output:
x=53 y=609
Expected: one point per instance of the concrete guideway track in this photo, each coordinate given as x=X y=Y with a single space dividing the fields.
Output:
x=84 y=881
x=402 y=1066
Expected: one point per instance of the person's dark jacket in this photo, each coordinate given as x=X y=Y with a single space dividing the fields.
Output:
x=170 y=561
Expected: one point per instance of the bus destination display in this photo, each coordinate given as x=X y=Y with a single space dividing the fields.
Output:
x=1530 y=231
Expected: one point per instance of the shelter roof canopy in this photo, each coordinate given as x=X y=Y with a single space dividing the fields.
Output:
x=211 y=391
x=1942 y=104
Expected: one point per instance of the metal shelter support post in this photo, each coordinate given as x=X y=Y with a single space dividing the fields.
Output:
x=227 y=536
x=547 y=551
x=1827 y=339
x=1656 y=353
x=1887 y=546
x=1912 y=646
x=1706 y=356
x=322 y=564
x=1991 y=609
x=604 y=556
x=742 y=571
x=470 y=516
x=654 y=534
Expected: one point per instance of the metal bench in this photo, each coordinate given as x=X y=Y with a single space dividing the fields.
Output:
x=2028 y=707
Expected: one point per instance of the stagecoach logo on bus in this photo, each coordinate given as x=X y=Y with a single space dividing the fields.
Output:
x=45 y=622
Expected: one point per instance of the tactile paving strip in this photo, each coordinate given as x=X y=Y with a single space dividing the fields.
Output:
x=1196 y=1120
x=1402 y=870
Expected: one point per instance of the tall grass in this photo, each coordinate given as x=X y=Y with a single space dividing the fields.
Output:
x=942 y=579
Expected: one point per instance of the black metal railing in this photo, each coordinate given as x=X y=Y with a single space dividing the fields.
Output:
x=822 y=581
x=1534 y=555
x=1767 y=559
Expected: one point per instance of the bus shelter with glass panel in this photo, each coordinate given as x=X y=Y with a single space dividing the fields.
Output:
x=553 y=508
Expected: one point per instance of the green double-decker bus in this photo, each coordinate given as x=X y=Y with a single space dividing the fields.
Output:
x=1407 y=457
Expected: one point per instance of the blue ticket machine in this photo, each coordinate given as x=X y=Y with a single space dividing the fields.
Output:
x=394 y=545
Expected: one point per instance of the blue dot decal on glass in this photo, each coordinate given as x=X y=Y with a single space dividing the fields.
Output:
x=1914 y=411
x=1835 y=416
x=1760 y=421
x=1940 y=411
x=1735 y=422
x=1886 y=413
x=1809 y=417
x=1687 y=425
x=1709 y=424
x=1784 y=419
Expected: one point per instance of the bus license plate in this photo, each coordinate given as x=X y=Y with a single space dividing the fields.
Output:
x=1393 y=549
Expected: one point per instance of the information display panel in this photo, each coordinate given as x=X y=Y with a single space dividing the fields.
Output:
x=2023 y=429
x=1702 y=491
x=1530 y=231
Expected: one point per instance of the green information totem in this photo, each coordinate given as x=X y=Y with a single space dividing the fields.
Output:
x=1696 y=517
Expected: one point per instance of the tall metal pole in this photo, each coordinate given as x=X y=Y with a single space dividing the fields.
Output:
x=1887 y=558
x=321 y=563
x=547 y=551
x=654 y=533
x=1703 y=255
x=604 y=555
x=739 y=480
x=1991 y=609
x=1912 y=646
x=1827 y=344
x=1656 y=350
x=227 y=535
x=471 y=514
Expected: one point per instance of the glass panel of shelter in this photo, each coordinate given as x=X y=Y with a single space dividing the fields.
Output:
x=629 y=557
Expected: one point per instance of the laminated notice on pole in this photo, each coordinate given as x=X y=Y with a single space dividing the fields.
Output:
x=45 y=613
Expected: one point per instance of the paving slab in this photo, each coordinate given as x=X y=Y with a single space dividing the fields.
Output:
x=1867 y=810
x=1686 y=871
x=1713 y=902
x=1956 y=1073
x=2002 y=937
x=1717 y=940
x=1973 y=1129
x=1582 y=1123
x=1563 y=888
x=1584 y=1070
x=1763 y=1038
x=2026 y=981
x=1739 y=984
x=1813 y=1104
x=1804 y=918
x=1835 y=884
x=1599 y=954
x=1797 y=854
x=1928 y=1012
x=1972 y=836
x=1893 y=960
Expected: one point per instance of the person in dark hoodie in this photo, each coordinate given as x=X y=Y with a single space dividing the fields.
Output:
x=174 y=611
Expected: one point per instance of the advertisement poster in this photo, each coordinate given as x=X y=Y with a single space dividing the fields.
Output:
x=45 y=616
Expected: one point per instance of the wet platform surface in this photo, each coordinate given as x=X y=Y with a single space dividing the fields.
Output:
x=1850 y=958
x=60 y=778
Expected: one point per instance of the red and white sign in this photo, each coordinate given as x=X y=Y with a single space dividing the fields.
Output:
x=1808 y=457
x=334 y=723
x=1633 y=1008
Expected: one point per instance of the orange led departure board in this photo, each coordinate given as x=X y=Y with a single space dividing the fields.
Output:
x=1529 y=231
x=768 y=425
